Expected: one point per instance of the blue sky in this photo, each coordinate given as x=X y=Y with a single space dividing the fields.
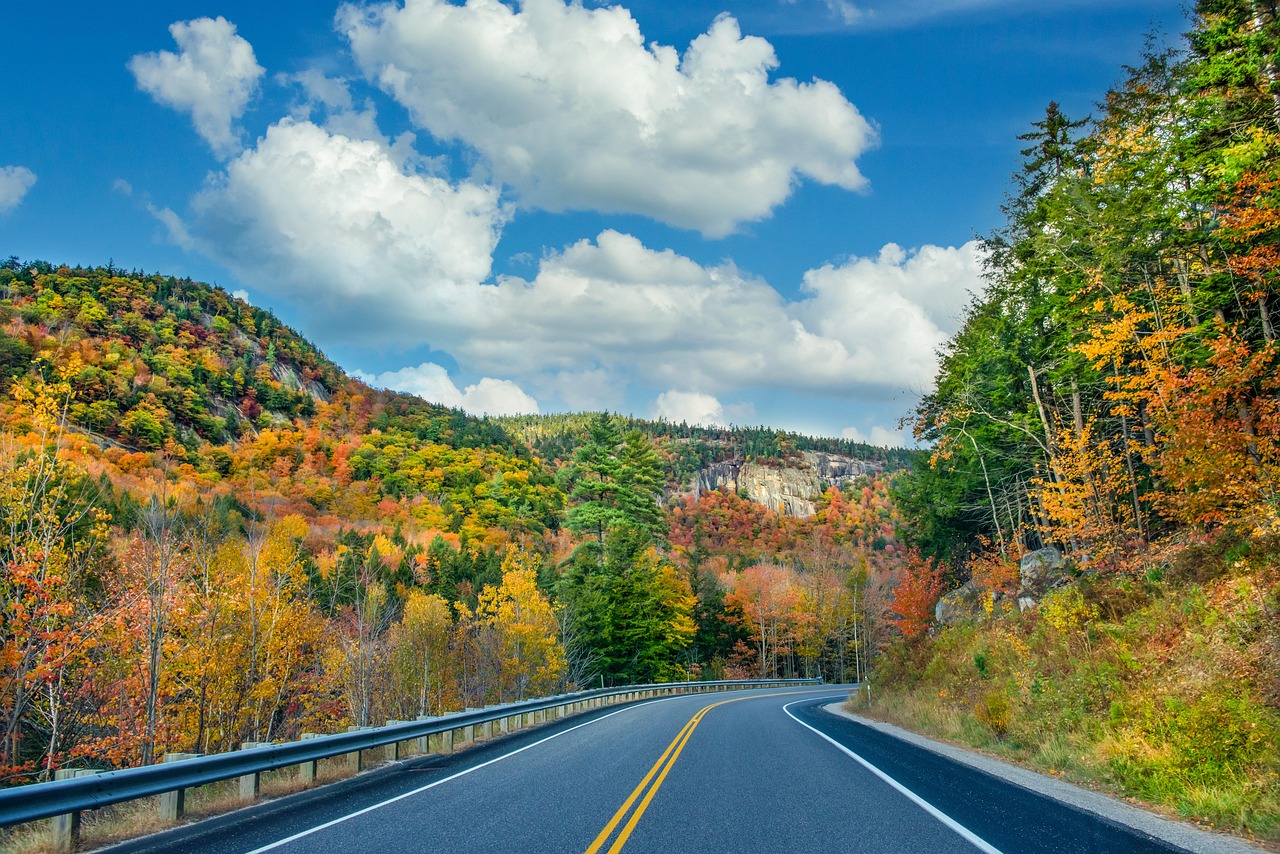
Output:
x=726 y=212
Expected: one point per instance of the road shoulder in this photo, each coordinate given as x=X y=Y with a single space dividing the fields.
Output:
x=1185 y=836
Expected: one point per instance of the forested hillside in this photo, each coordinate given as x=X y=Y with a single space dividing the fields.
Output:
x=212 y=535
x=685 y=449
x=1113 y=395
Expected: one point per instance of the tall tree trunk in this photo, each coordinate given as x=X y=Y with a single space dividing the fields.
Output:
x=990 y=497
x=1077 y=410
x=1044 y=420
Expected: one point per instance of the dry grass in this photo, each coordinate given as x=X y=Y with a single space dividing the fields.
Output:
x=1158 y=691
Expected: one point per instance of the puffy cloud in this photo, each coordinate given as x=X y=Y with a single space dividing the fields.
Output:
x=896 y=309
x=15 y=181
x=213 y=76
x=869 y=323
x=881 y=437
x=587 y=390
x=569 y=106
x=701 y=410
x=431 y=382
x=331 y=96
x=368 y=251
x=373 y=254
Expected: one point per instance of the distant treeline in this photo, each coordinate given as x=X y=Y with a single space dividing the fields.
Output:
x=689 y=448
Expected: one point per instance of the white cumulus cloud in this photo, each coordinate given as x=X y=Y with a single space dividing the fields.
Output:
x=372 y=253
x=570 y=107
x=871 y=322
x=366 y=250
x=213 y=76
x=701 y=410
x=881 y=437
x=15 y=181
x=431 y=382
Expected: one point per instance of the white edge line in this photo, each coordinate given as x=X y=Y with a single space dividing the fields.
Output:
x=968 y=835
x=462 y=773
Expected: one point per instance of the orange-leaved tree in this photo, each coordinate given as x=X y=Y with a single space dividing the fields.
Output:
x=50 y=535
x=918 y=589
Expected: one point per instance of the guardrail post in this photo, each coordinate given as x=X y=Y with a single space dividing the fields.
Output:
x=307 y=770
x=251 y=784
x=424 y=741
x=393 y=749
x=66 y=828
x=355 y=761
x=173 y=804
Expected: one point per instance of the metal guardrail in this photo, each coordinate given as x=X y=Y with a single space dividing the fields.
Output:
x=62 y=797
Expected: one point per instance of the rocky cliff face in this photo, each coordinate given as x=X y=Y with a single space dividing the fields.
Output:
x=792 y=489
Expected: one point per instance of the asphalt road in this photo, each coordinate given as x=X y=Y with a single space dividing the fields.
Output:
x=736 y=772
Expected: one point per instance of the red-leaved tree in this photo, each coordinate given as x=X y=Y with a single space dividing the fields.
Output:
x=916 y=594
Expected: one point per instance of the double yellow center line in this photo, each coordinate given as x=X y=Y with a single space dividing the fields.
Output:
x=659 y=770
x=656 y=775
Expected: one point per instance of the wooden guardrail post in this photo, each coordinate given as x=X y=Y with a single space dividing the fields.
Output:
x=307 y=770
x=355 y=761
x=174 y=804
x=393 y=749
x=424 y=742
x=251 y=784
x=66 y=828
x=468 y=731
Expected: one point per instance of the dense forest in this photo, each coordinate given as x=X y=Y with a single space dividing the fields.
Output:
x=687 y=448
x=212 y=535
x=1113 y=395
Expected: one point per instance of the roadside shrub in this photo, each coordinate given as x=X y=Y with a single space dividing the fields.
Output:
x=1201 y=562
x=1219 y=734
x=996 y=711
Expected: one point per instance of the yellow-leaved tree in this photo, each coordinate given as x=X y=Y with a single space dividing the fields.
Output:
x=523 y=630
x=419 y=677
x=50 y=537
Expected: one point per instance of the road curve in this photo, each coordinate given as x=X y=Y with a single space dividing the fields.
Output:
x=763 y=770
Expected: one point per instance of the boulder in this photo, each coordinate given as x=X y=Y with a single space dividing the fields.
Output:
x=963 y=603
x=1040 y=568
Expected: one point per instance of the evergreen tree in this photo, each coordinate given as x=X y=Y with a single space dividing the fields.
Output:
x=614 y=481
